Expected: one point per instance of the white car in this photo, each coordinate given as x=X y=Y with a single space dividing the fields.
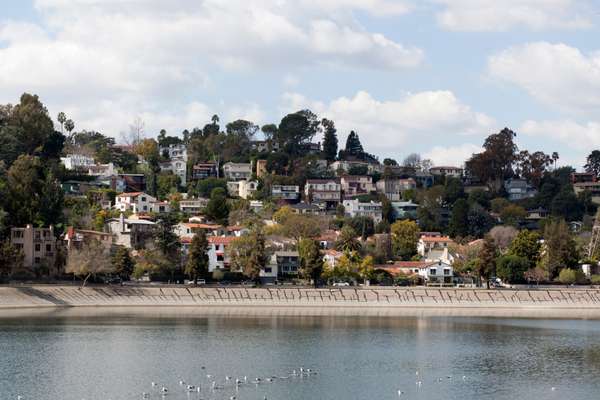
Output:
x=341 y=284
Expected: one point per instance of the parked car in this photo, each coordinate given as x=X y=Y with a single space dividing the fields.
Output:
x=341 y=284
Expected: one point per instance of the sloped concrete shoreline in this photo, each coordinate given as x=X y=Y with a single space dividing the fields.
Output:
x=558 y=303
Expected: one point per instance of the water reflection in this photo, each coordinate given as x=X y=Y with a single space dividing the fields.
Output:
x=99 y=354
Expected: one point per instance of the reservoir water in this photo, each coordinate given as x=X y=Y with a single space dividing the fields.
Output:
x=75 y=355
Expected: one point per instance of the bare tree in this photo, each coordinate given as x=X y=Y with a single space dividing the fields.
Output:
x=136 y=132
x=91 y=259
x=503 y=236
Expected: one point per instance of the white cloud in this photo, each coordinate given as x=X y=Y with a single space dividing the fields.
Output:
x=452 y=155
x=388 y=128
x=109 y=61
x=502 y=15
x=572 y=134
x=555 y=74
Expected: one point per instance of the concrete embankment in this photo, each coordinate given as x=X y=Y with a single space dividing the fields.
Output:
x=559 y=303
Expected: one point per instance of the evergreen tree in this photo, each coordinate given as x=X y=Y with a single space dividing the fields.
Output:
x=122 y=263
x=459 y=222
x=330 y=140
x=197 y=263
x=217 y=207
x=353 y=146
x=311 y=260
x=248 y=253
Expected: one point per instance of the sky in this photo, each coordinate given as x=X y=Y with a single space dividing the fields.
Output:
x=435 y=77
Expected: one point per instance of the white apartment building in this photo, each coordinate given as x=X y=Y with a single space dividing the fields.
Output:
x=77 y=161
x=372 y=209
x=237 y=171
x=177 y=161
x=140 y=202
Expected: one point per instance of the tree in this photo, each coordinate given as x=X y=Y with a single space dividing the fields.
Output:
x=390 y=162
x=152 y=261
x=92 y=259
x=197 y=262
x=503 y=236
x=69 y=126
x=453 y=190
x=217 y=207
x=364 y=226
x=166 y=183
x=487 y=259
x=459 y=221
x=532 y=167
x=511 y=268
x=166 y=239
x=311 y=260
x=11 y=259
x=567 y=205
x=330 y=140
x=298 y=226
x=496 y=162
x=560 y=249
x=569 y=276
x=413 y=161
x=536 y=275
x=526 y=245
x=122 y=263
x=61 y=118
x=513 y=215
x=205 y=187
x=592 y=165
x=295 y=130
x=347 y=241
x=353 y=145
x=480 y=221
x=405 y=236
x=248 y=253
x=269 y=131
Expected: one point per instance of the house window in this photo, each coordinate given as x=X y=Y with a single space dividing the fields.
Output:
x=433 y=271
x=48 y=247
x=37 y=247
x=37 y=235
x=18 y=234
x=36 y=260
x=143 y=199
x=446 y=271
x=19 y=246
x=220 y=257
x=268 y=270
x=145 y=208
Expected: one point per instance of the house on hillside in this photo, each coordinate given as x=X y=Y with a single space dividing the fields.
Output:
x=430 y=247
x=140 y=202
x=372 y=209
x=193 y=206
x=286 y=263
x=394 y=188
x=76 y=238
x=354 y=185
x=593 y=188
x=189 y=229
x=287 y=193
x=432 y=273
x=237 y=171
x=77 y=162
x=205 y=170
x=453 y=172
x=131 y=233
x=243 y=189
x=177 y=161
x=326 y=192
x=519 y=189
x=37 y=245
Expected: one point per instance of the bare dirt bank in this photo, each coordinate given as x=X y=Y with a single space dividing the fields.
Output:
x=545 y=303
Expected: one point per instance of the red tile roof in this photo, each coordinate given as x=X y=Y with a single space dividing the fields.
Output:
x=225 y=240
x=131 y=194
x=436 y=239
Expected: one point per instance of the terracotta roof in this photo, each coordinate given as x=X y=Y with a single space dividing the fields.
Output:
x=131 y=194
x=201 y=226
x=435 y=239
x=226 y=240
x=333 y=253
x=235 y=228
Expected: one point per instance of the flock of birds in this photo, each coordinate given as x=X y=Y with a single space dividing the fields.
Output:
x=211 y=385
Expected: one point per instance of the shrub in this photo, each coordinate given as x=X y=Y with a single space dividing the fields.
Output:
x=595 y=280
x=570 y=276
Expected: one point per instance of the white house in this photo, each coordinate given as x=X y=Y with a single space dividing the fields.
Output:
x=77 y=161
x=237 y=171
x=193 y=206
x=102 y=170
x=323 y=191
x=189 y=229
x=454 y=172
x=372 y=209
x=217 y=252
x=432 y=247
x=289 y=193
x=433 y=273
x=177 y=161
x=135 y=202
x=331 y=257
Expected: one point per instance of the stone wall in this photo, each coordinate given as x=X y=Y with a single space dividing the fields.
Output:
x=66 y=296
